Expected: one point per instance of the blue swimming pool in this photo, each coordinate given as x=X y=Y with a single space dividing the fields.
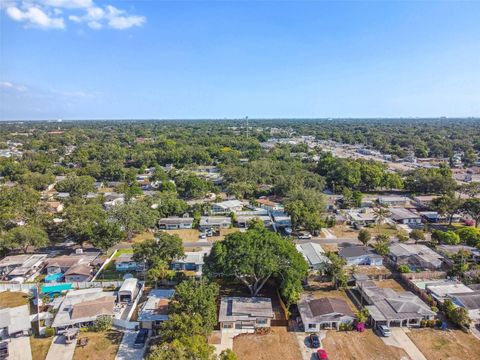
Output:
x=52 y=289
x=54 y=277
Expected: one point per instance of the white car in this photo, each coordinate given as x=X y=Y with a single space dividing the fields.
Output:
x=306 y=236
x=202 y=236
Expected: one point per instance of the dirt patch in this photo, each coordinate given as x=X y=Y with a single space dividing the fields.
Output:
x=353 y=345
x=445 y=345
x=344 y=232
x=278 y=344
x=390 y=284
x=147 y=235
x=9 y=299
x=187 y=235
x=100 y=346
x=223 y=233
x=215 y=338
x=40 y=347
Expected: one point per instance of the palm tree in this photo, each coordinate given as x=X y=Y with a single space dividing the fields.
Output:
x=380 y=214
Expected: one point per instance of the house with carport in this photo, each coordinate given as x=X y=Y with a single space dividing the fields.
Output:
x=324 y=313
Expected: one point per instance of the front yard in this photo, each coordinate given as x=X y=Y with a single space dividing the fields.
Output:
x=100 y=346
x=10 y=299
x=278 y=344
x=40 y=347
x=354 y=345
x=445 y=345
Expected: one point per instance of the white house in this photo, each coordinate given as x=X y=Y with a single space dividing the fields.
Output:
x=226 y=207
x=175 y=223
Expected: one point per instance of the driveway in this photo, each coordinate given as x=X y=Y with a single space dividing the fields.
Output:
x=19 y=348
x=59 y=350
x=126 y=351
x=308 y=353
x=400 y=339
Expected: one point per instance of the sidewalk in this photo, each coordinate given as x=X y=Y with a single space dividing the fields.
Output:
x=400 y=339
x=126 y=351
x=19 y=348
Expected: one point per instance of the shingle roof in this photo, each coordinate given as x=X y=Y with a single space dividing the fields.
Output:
x=93 y=308
x=325 y=306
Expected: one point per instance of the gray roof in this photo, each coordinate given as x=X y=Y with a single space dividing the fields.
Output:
x=471 y=300
x=156 y=306
x=15 y=319
x=356 y=251
x=387 y=304
x=399 y=214
x=214 y=220
x=174 y=220
x=313 y=253
x=423 y=252
x=323 y=310
x=244 y=308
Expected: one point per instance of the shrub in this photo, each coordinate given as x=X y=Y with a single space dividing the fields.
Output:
x=446 y=237
x=49 y=332
x=402 y=238
x=417 y=234
x=469 y=235
x=404 y=269
x=103 y=323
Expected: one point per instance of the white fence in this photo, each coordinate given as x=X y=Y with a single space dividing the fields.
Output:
x=28 y=287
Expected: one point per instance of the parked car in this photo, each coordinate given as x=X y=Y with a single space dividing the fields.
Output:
x=384 y=330
x=322 y=354
x=203 y=236
x=305 y=236
x=141 y=339
x=314 y=341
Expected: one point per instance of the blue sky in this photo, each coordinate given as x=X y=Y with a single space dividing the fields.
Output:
x=89 y=59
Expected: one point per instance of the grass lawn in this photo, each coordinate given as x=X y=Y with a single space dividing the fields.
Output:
x=101 y=346
x=187 y=235
x=445 y=345
x=359 y=346
x=40 y=347
x=142 y=237
x=278 y=344
x=123 y=251
x=10 y=299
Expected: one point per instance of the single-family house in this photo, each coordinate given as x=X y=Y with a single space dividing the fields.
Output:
x=78 y=273
x=469 y=301
x=81 y=308
x=393 y=201
x=269 y=205
x=388 y=307
x=154 y=311
x=15 y=321
x=424 y=201
x=125 y=262
x=314 y=255
x=405 y=216
x=281 y=219
x=441 y=289
x=324 y=313
x=112 y=199
x=192 y=261
x=23 y=266
x=214 y=223
x=175 y=223
x=226 y=207
x=416 y=256
x=244 y=313
x=244 y=220
x=360 y=255
x=361 y=217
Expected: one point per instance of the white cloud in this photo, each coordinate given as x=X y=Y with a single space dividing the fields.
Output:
x=36 y=17
x=69 y=4
x=10 y=86
x=53 y=13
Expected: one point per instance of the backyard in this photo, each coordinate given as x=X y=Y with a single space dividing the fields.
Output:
x=100 y=346
x=445 y=345
x=278 y=344
x=10 y=299
x=354 y=345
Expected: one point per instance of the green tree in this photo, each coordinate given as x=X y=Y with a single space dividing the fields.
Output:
x=469 y=235
x=255 y=256
x=18 y=204
x=417 y=234
x=182 y=325
x=404 y=269
x=447 y=205
x=164 y=247
x=76 y=186
x=191 y=348
x=446 y=237
x=471 y=189
x=134 y=216
x=227 y=354
x=381 y=244
x=106 y=234
x=457 y=315
x=364 y=236
x=472 y=208
x=36 y=180
x=336 y=271
x=159 y=271
x=380 y=214
x=23 y=237
x=103 y=323
x=194 y=297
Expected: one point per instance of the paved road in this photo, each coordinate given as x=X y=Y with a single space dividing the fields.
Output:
x=59 y=350
x=19 y=348
x=197 y=244
x=126 y=351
